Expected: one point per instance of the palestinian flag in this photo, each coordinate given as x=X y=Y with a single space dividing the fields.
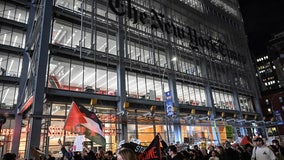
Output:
x=82 y=121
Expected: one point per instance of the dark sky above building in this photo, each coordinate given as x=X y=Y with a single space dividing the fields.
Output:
x=263 y=19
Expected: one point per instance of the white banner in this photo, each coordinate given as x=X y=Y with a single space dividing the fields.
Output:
x=78 y=143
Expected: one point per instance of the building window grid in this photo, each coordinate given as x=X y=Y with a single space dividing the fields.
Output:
x=196 y=4
x=138 y=49
x=60 y=72
x=221 y=74
x=75 y=75
x=217 y=56
x=191 y=94
x=78 y=42
x=246 y=103
x=160 y=85
x=155 y=49
x=244 y=82
x=151 y=61
x=180 y=94
x=226 y=7
x=10 y=64
x=130 y=24
x=144 y=87
x=12 y=37
x=188 y=99
x=8 y=96
x=75 y=6
x=188 y=66
x=141 y=85
x=174 y=40
x=132 y=85
x=210 y=32
x=6 y=135
x=212 y=71
x=194 y=95
x=142 y=3
x=223 y=100
x=193 y=88
x=66 y=36
x=14 y=12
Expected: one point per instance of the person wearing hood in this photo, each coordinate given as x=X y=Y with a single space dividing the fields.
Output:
x=261 y=151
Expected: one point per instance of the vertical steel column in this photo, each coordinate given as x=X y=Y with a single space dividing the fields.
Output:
x=173 y=88
x=120 y=70
x=210 y=101
x=17 y=134
x=172 y=84
x=22 y=84
x=165 y=108
x=207 y=88
x=239 y=117
x=40 y=64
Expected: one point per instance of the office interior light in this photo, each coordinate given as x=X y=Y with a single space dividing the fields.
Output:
x=93 y=101
x=153 y=108
x=223 y=114
x=209 y=113
x=125 y=105
x=192 y=112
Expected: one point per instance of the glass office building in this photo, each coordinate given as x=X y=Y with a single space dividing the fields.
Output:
x=123 y=56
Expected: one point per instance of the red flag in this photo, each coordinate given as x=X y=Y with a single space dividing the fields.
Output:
x=153 y=151
x=245 y=141
x=75 y=117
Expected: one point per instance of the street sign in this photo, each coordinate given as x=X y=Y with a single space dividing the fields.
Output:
x=169 y=103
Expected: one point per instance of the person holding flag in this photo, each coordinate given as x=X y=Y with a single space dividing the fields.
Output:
x=152 y=152
x=84 y=122
x=65 y=153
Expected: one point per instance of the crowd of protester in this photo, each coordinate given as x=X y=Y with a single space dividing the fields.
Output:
x=255 y=150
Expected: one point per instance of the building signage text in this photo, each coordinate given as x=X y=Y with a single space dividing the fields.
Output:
x=158 y=21
x=59 y=131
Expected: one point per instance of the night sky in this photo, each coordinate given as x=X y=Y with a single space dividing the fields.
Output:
x=262 y=18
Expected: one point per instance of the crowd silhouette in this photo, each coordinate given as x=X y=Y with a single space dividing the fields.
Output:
x=256 y=149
